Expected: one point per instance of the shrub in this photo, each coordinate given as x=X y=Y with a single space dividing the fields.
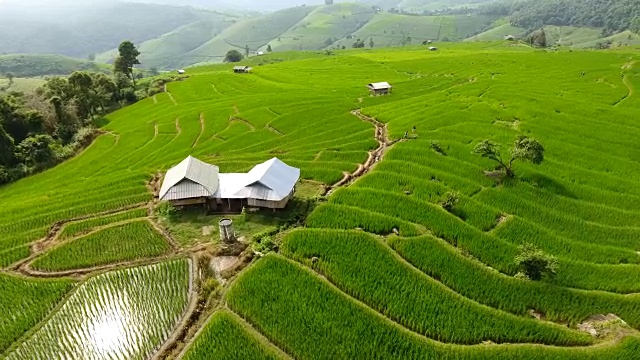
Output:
x=450 y=200
x=534 y=263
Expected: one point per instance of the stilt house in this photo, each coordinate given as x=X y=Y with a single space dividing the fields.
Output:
x=380 y=88
x=268 y=185
x=242 y=69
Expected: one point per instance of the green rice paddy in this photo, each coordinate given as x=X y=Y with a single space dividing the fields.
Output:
x=380 y=269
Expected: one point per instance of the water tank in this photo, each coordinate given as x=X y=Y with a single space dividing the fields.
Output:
x=226 y=231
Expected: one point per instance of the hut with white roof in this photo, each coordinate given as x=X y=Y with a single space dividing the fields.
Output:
x=380 y=88
x=268 y=185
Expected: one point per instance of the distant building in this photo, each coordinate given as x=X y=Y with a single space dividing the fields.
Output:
x=268 y=185
x=433 y=48
x=181 y=72
x=259 y=53
x=380 y=88
x=509 y=37
x=242 y=69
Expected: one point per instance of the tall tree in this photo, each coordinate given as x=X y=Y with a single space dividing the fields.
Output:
x=10 y=77
x=233 y=56
x=246 y=50
x=525 y=149
x=371 y=43
x=269 y=49
x=7 y=148
x=126 y=60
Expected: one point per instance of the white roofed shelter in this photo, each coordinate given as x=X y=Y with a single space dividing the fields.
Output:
x=269 y=185
x=190 y=182
x=380 y=88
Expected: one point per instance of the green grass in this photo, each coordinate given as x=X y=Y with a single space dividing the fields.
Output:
x=144 y=304
x=580 y=204
x=23 y=85
x=81 y=227
x=476 y=281
x=25 y=302
x=121 y=243
x=499 y=32
x=416 y=301
x=308 y=319
x=225 y=337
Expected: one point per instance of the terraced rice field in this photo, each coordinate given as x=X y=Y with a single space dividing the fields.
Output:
x=125 y=314
x=380 y=270
x=121 y=243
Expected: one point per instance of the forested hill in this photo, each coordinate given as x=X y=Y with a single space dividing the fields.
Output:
x=611 y=15
x=79 y=31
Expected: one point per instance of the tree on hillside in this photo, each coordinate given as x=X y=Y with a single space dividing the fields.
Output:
x=538 y=38
x=36 y=149
x=525 y=149
x=246 y=51
x=6 y=149
x=269 y=49
x=371 y=43
x=126 y=60
x=328 y=2
x=9 y=76
x=92 y=57
x=358 y=44
x=233 y=56
x=534 y=263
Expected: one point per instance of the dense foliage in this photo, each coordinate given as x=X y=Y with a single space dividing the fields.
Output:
x=41 y=129
x=612 y=15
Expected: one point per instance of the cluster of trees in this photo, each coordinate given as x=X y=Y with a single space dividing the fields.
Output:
x=359 y=44
x=612 y=15
x=41 y=129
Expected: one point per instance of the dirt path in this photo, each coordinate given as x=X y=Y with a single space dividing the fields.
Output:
x=375 y=156
x=156 y=130
x=626 y=81
x=202 y=126
x=155 y=99
x=170 y=96
x=272 y=129
x=178 y=129
x=250 y=125
x=187 y=316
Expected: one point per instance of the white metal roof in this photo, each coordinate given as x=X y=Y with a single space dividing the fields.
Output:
x=380 y=86
x=191 y=178
x=272 y=180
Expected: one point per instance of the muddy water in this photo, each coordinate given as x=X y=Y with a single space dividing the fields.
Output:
x=124 y=314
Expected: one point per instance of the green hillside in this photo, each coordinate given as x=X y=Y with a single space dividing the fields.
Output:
x=23 y=65
x=410 y=254
x=81 y=30
x=168 y=50
x=499 y=32
x=326 y=22
x=571 y=36
x=625 y=38
x=393 y=29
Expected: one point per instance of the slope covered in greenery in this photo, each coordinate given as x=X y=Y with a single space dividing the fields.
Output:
x=79 y=30
x=382 y=269
x=31 y=65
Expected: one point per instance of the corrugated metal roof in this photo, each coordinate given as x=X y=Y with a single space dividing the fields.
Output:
x=272 y=181
x=275 y=175
x=202 y=180
x=379 y=86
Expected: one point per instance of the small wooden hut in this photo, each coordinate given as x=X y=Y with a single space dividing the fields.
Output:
x=380 y=88
x=242 y=69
